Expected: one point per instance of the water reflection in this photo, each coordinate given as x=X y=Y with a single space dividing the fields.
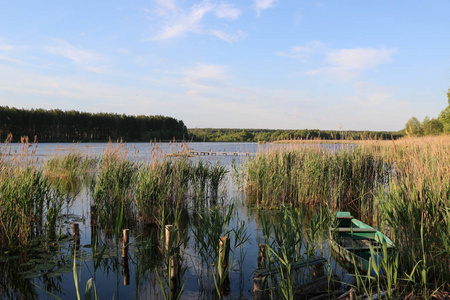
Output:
x=189 y=264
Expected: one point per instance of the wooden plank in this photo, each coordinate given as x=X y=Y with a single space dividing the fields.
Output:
x=351 y=229
x=344 y=217
x=296 y=265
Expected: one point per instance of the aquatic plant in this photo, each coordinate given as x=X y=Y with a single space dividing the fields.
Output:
x=314 y=176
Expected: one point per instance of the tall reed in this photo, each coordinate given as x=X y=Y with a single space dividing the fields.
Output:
x=314 y=176
x=26 y=201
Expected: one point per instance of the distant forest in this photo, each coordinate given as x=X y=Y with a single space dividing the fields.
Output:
x=57 y=125
x=267 y=135
x=73 y=126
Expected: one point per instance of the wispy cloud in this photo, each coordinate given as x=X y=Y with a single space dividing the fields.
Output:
x=227 y=11
x=261 y=5
x=229 y=37
x=177 y=21
x=303 y=53
x=4 y=46
x=346 y=64
x=76 y=54
x=86 y=59
x=204 y=76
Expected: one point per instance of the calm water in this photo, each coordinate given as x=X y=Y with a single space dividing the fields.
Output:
x=38 y=274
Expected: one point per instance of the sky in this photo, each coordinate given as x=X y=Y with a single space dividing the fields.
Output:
x=269 y=64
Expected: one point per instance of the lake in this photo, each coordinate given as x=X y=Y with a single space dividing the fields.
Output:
x=46 y=271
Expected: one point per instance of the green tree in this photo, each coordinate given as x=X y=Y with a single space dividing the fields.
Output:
x=413 y=127
x=432 y=126
x=444 y=116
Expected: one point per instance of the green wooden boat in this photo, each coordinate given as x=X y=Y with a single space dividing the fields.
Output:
x=356 y=243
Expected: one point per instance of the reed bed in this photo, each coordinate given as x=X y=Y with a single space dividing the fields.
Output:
x=27 y=201
x=314 y=176
x=400 y=186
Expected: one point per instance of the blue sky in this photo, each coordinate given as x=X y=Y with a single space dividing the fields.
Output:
x=279 y=64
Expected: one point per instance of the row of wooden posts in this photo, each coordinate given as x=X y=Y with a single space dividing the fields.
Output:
x=172 y=254
x=260 y=290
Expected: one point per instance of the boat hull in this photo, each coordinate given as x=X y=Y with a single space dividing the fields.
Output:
x=358 y=244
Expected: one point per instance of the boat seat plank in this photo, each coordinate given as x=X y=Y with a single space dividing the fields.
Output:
x=350 y=229
x=344 y=217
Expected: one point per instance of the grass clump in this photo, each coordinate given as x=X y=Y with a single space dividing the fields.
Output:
x=27 y=200
x=314 y=176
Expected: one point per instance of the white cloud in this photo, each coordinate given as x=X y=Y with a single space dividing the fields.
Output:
x=75 y=54
x=204 y=76
x=360 y=58
x=346 y=64
x=261 y=5
x=227 y=11
x=4 y=46
x=85 y=59
x=229 y=37
x=177 y=21
x=302 y=53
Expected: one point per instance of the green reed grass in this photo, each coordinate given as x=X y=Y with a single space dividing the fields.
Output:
x=313 y=176
x=288 y=241
x=27 y=200
x=70 y=166
x=403 y=187
x=112 y=192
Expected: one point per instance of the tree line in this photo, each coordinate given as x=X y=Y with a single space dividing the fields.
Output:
x=434 y=126
x=268 y=135
x=59 y=125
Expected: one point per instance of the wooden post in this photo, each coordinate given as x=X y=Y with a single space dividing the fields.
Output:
x=260 y=290
x=125 y=271
x=125 y=241
x=169 y=229
x=318 y=270
x=93 y=216
x=224 y=255
x=76 y=232
x=175 y=266
x=262 y=256
x=352 y=294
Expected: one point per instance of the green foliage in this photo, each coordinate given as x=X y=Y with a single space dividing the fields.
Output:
x=58 y=125
x=313 y=176
x=432 y=126
x=267 y=135
x=413 y=127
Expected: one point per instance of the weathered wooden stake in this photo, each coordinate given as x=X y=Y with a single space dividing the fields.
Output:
x=169 y=230
x=262 y=256
x=352 y=294
x=260 y=290
x=175 y=269
x=125 y=241
x=224 y=255
x=93 y=215
x=318 y=270
x=125 y=271
x=76 y=232
x=224 y=252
